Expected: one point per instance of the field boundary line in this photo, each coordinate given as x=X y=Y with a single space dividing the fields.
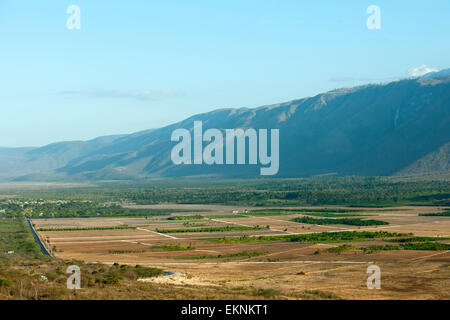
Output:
x=403 y=225
x=244 y=225
x=431 y=255
x=161 y=234
x=281 y=252
x=252 y=262
x=136 y=242
x=238 y=224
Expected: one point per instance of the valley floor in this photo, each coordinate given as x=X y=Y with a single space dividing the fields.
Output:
x=204 y=250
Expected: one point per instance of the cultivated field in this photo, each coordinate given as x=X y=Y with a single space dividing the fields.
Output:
x=212 y=246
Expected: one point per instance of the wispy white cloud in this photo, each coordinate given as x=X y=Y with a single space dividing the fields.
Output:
x=413 y=72
x=143 y=95
x=421 y=71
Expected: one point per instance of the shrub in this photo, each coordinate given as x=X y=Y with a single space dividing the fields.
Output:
x=112 y=277
x=144 y=272
x=4 y=283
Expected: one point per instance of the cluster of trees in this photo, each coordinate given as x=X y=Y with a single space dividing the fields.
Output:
x=125 y=251
x=311 y=212
x=196 y=217
x=324 y=237
x=361 y=191
x=445 y=213
x=117 y=272
x=173 y=247
x=338 y=249
x=404 y=246
x=350 y=191
x=294 y=211
x=345 y=221
x=434 y=246
x=87 y=228
x=418 y=239
x=210 y=229
x=75 y=208
x=315 y=191
x=91 y=209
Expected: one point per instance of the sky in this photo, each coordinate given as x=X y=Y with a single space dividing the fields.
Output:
x=136 y=65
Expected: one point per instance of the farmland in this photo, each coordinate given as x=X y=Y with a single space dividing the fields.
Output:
x=269 y=252
x=137 y=242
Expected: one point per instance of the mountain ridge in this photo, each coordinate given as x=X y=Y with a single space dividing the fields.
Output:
x=378 y=129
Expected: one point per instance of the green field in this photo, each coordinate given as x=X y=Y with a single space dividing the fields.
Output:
x=16 y=236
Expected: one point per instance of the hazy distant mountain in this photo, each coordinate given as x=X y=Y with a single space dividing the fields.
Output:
x=399 y=127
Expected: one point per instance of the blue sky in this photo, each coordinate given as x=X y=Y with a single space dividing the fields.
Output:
x=136 y=65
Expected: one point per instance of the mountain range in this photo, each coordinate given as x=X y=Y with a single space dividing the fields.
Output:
x=402 y=127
